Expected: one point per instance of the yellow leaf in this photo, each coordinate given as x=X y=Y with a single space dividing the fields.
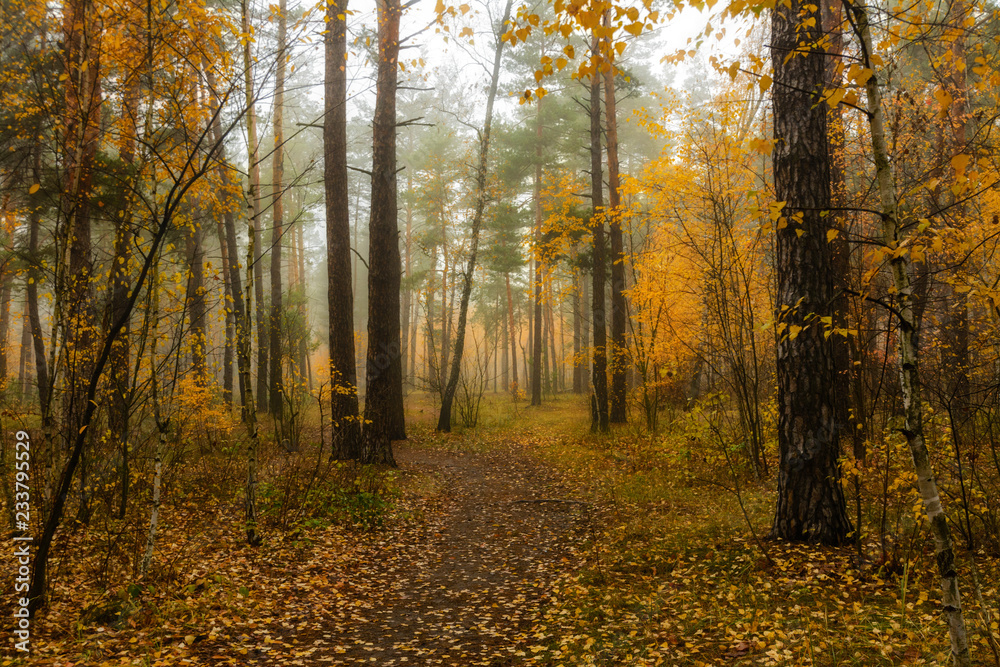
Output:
x=634 y=28
x=831 y=234
x=33 y=189
x=959 y=163
x=765 y=83
x=793 y=331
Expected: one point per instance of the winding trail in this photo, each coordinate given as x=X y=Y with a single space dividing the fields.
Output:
x=458 y=584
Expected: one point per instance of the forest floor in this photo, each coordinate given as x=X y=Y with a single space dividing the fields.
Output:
x=524 y=541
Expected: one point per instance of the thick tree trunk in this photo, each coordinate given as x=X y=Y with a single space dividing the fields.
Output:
x=383 y=368
x=444 y=419
x=599 y=420
x=909 y=376
x=810 y=499
x=343 y=374
x=278 y=216
x=617 y=351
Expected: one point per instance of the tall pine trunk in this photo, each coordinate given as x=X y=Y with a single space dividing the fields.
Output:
x=599 y=420
x=278 y=216
x=513 y=337
x=536 y=322
x=383 y=368
x=810 y=499
x=343 y=375
x=617 y=351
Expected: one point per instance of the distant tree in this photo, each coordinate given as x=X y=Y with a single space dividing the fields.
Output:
x=481 y=194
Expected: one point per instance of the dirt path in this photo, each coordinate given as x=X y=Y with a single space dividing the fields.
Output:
x=457 y=585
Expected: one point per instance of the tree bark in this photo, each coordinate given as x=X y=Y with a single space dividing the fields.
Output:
x=343 y=374
x=444 y=418
x=196 y=304
x=578 y=367
x=254 y=196
x=811 y=503
x=513 y=337
x=231 y=261
x=83 y=101
x=278 y=217
x=254 y=271
x=383 y=368
x=600 y=415
x=617 y=351
x=536 y=323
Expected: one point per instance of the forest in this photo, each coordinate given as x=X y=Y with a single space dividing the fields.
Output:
x=563 y=332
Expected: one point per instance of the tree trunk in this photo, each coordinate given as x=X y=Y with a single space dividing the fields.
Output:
x=909 y=376
x=25 y=355
x=278 y=213
x=599 y=420
x=343 y=374
x=445 y=310
x=231 y=262
x=810 y=499
x=618 y=351
x=5 y=291
x=254 y=196
x=513 y=337
x=383 y=368
x=408 y=291
x=82 y=88
x=843 y=346
x=253 y=268
x=536 y=328
x=577 y=363
x=196 y=304
x=584 y=333
x=161 y=424
x=444 y=419
x=31 y=293
x=227 y=309
x=119 y=388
